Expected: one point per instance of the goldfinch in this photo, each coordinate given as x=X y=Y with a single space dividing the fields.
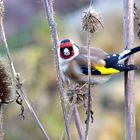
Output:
x=73 y=63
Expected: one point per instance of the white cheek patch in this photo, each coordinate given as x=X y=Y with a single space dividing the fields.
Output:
x=66 y=52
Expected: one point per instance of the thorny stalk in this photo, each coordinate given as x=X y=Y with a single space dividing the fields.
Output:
x=137 y=18
x=78 y=123
x=130 y=127
x=91 y=22
x=89 y=87
x=50 y=16
x=1 y=123
x=69 y=115
x=20 y=88
x=15 y=76
x=74 y=111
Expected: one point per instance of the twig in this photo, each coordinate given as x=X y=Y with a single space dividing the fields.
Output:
x=69 y=115
x=91 y=22
x=16 y=78
x=89 y=87
x=130 y=131
x=19 y=86
x=78 y=123
x=50 y=16
x=137 y=18
x=1 y=123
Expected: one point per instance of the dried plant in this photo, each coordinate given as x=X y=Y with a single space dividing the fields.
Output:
x=1 y=8
x=91 y=20
x=6 y=93
x=79 y=91
x=130 y=126
x=50 y=16
x=137 y=18
x=15 y=76
x=6 y=87
x=75 y=95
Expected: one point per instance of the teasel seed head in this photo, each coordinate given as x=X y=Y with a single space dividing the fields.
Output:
x=91 y=20
x=6 y=87
x=1 y=8
x=76 y=92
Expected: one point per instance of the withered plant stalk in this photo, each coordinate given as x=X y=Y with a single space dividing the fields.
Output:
x=1 y=123
x=50 y=16
x=15 y=75
x=91 y=23
x=69 y=116
x=130 y=128
x=89 y=87
x=78 y=123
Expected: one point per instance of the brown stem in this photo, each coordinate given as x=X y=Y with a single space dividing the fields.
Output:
x=55 y=40
x=130 y=128
x=1 y=123
x=78 y=123
x=69 y=115
x=89 y=87
x=16 y=79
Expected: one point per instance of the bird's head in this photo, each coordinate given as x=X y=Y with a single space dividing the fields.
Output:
x=68 y=50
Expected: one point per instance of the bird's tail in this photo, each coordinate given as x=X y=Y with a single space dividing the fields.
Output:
x=125 y=54
x=128 y=67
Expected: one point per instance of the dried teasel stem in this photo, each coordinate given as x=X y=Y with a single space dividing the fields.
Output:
x=76 y=95
x=69 y=115
x=78 y=123
x=137 y=18
x=50 y=15
x=15 y=75
x=89 y=87
x=1 y=123
x=6 y=87
x=130 y=126
x=91 y=22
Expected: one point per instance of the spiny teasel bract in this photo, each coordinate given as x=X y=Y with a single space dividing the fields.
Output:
x=1 y=8
x=137 y=18
x=91 y=20
x=79 y=91
x=6 y=87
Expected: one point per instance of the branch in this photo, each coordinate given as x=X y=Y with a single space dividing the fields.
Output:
x=19 y=86
x=91 y=22
x=50 y=16
x=78 y=123
x=130 y=128
x=72 y=106
x=1 y=123
x=89 y=87
x=15 y=76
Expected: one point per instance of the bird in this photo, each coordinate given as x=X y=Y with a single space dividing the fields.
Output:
x=73 y=63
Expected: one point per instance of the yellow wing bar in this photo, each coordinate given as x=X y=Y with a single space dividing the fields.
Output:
x=105 y=70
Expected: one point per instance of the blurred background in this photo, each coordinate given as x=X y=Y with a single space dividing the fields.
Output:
x=29 y=40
